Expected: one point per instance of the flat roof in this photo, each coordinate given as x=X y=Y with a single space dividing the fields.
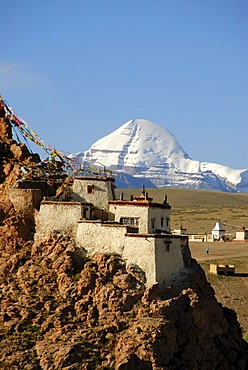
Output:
x=138 y=203
x=95 y=178
x=65 y=202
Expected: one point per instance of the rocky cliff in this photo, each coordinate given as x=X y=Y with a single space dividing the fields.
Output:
x=59 y=310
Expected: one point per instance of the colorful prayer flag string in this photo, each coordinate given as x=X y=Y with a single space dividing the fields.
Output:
x=71 y=165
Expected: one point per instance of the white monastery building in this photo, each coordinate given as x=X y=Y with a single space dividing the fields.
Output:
x=241 y=234
x=137 y=229
x=218 y=232
x=181 y=231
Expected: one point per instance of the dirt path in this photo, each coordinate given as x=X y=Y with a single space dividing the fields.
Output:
x=218 y=250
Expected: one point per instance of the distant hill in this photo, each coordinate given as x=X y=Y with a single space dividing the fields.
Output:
x=144 y=150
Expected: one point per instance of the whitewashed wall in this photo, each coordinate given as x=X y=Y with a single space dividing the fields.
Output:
x=131 y=211
x=99 y=197
x=145 y=213
x=97 y=237
x=148 y=252
x=158 y=213
x=61 y=216
x=168 y=263
x=218 y=234
x=241 y=235
x=141 y=251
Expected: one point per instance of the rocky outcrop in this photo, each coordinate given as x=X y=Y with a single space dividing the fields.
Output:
x=12 y=154
x=60 y=310
x=19 y=200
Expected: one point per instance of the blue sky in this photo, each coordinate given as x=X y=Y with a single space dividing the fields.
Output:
x=77 y=70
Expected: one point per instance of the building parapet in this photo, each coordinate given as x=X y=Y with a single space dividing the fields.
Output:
x=95 y=178
x=103 y=223
x=63 y=202
x=139 y=203
x=154 y=236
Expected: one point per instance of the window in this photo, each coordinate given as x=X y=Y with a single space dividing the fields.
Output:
x=153 y=222
x=124 y=220
x=132 y=221
x=167 y=246
x=167 y=221
x=90 y=189
x=162 y=221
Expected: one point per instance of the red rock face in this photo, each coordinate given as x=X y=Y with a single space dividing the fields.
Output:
x=60 y=310
x=16 y=220
x=5 y=130
x=19 y=151
x=5 y=126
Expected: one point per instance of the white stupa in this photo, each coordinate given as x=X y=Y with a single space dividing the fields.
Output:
x=218 y=232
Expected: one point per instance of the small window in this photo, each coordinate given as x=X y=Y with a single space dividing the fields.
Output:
x=132 y=221
x=167 y=221
x=124 y=220
x=90 y=189
x=153 y=222
x=167 y=245
x=162 y=221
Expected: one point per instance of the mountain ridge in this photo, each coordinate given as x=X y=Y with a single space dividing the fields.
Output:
x=147 y=151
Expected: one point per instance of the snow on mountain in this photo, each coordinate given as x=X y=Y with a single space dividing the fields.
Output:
x=143 y=150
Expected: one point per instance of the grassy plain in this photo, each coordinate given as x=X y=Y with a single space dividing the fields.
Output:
x=198 y=211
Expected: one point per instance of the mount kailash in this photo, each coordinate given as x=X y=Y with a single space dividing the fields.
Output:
x=141 y=152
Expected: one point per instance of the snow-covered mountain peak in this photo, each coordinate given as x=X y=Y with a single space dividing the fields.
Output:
x=137 y=142
x=144 y=150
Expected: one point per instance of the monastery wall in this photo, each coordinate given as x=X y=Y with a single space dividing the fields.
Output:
x=97 y=237
x=61 y=216
x=93 y=190
x=129 y=211
x=159 y=256
x=113 y=239
x=149 y=252
x=161 y=217
x=168 y=259
x=141 y=251
x=147 y=216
